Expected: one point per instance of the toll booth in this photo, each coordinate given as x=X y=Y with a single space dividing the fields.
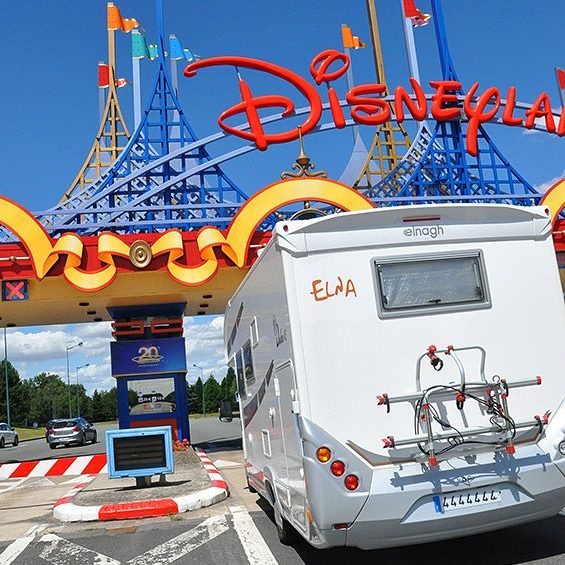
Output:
x=148 y=359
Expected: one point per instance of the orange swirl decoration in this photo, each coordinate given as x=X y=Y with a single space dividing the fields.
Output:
x=235 y=244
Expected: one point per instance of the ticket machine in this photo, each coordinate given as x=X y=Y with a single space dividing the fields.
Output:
x=148 y=360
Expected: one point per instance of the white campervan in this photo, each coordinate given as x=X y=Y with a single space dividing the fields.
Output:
x=400 y=373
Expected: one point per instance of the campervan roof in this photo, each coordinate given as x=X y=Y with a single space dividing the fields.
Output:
x=412 y=224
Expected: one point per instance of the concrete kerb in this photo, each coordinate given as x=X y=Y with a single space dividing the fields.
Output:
x=66 y=511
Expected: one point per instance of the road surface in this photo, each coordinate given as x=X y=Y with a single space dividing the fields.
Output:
x=203 y=430
x=238 y=531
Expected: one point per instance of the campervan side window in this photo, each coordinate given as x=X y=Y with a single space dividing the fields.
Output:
x=248 y=364
x=429 y=284
x=254 y=332
x=239 y=371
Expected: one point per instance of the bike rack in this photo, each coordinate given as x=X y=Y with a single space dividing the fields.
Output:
x=495 y=392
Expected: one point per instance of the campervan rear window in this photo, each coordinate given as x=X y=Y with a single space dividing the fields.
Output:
x=412 y=285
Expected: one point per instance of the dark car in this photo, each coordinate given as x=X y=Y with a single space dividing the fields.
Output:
x=70 y=431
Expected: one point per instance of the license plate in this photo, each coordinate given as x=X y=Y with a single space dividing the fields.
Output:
x=466 y=499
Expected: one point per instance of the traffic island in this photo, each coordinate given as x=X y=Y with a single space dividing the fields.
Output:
x=194 y=484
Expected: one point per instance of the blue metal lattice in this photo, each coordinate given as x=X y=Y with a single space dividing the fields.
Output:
x=437 y=166
x=134 y=195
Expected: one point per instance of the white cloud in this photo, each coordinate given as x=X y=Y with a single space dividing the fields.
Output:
x=539 y=123
x=37 y=350
x=205 y=347
x=545 y=186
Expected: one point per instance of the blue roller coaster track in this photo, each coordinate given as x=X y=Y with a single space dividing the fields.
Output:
x=167 y=178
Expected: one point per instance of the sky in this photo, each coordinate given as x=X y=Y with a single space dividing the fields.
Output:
x=49 y=106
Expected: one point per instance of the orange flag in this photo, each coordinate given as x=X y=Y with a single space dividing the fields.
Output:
x=115 y=20
x=350 y=41
x=418 y=18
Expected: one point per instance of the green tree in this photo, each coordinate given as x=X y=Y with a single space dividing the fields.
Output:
x=17 y=394
x=212 y=394
x=110 y=403
x=229 y=385
x=47 y=398
x=97 y=407
x=195 y=397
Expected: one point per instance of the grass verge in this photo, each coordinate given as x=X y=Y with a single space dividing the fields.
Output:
x=30 y=433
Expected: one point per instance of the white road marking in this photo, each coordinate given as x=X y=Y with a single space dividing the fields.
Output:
x=255 y=547
x=223 y=464
x=74 y=480
x=182 y=545
x=14 y=484
x=43 y=482
x=60 y=551
x=17 y=547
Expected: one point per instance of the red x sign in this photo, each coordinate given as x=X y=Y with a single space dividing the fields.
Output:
x=14 y=290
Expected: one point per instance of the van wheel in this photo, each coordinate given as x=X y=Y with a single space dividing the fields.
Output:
x=52 y=445
x=16 y=441
x=287 y=534
x=2 y=442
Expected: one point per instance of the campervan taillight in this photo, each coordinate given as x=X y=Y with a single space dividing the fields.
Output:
x=338 y=468
x=323 y=454
x=351 y=482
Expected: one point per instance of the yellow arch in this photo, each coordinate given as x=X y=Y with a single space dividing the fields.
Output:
x=235 y=244
x=554 y=198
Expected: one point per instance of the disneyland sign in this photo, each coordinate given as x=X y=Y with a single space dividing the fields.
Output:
x=368 y=104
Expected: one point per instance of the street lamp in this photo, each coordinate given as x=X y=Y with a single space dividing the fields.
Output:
x=6 y=377
x=78 y=396
x=67 y=349
x=202 y=379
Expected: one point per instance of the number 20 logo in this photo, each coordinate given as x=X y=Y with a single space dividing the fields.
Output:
x=148 y=355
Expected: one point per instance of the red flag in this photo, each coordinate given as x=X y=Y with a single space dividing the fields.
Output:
x=560 y=77
x=121 y=82
x=418 y=18
x=103 y=75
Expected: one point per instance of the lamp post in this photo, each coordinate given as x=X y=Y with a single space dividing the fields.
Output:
x=78 y=395
x=6 y=378
x=67 y=349
x=202 y=379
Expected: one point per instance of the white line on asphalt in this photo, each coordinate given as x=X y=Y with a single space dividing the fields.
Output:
x=185 y=543
x=17 y=547
x=15 y=484
x=60 y=551
x=14 y=550
x=255 y=547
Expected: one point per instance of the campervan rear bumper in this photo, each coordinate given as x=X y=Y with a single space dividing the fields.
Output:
x=410 y=515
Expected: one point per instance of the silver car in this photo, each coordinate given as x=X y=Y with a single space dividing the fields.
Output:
x=8 y=435
x=70 y=431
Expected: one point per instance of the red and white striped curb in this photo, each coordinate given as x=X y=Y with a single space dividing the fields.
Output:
x=215 y=477
x=66 y=511
x=67 y=466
